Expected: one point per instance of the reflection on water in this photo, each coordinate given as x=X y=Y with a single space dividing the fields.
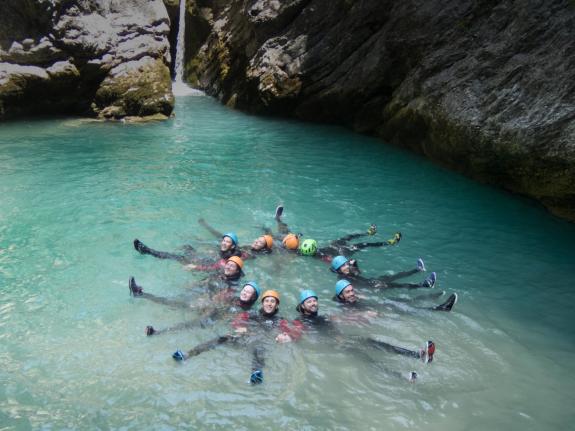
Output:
x=74 y=195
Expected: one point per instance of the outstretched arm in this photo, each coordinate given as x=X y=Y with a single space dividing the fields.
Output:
x=211 y=229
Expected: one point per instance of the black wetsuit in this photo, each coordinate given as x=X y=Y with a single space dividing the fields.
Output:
x=363 y=305
x=189 y=255
x=208 y=315
x=382 y=282
x=325 y=326
x=261 y=319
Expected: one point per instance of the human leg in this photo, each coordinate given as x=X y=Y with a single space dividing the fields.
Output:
x=178 y=355
x=144 y=249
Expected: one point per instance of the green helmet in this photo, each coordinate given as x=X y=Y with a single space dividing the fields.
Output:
x=308 y=247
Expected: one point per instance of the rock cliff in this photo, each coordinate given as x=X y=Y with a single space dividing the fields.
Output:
x=486 y=88
x=92 y=57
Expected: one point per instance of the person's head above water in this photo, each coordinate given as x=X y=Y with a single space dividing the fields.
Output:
x=264 y=242
x=250 y=292
x=343 y=265
x=308 y=247
x=229 y=241
x=291 y=241
x=345 y=292
x=270 y=302
x=308 y=304
x=233 y=267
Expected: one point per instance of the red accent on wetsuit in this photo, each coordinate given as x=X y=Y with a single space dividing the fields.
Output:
x=219 y=264
x=240 y=320
x=326 y=258
x=295 y=331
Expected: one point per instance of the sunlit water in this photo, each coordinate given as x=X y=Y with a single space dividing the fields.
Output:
x=73 y=354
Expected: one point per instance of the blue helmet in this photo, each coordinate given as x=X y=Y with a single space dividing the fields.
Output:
x=338 y=262
x=306 y=294
x=256 y=287
x=340 y=285
x=232 y=236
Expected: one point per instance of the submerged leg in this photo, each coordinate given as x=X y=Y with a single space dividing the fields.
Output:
x=144 y=249
x=178 y=355
x=195 y=323
x=425 y=354
x=138 y=292
x=258 y=363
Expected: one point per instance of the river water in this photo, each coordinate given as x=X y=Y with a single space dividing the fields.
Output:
x=73 y=353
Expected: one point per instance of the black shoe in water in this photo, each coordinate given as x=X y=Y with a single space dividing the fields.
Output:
x=257 y=377
x=139 y=246
x=150 y=330
x=448 y=305
x=135 y=290
x=279 y=212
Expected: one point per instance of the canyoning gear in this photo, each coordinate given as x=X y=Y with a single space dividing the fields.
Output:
x=426 y=354
x=420 y=265
x=396 y=238
x=237 y=260
x=271 y=293
x=150 y=330
x=257 y=377
x=178 y=355
x=372 y=229
x=135 y=290
x=447 y=305
x=308 y=247
x=338 y=262
x=279 y=212
x=430 y=281
x=269 y=241
x=340 y=286
x=306 y=294
x=291 y=241
x=232 y=236
x=256 y=287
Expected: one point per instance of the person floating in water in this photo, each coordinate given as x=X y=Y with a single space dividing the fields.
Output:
x=267 y=319
x=346 y=296
x=221 y=305
x=309 y=247
x=348 y=269
x=228 y=278
x=308 y=308
x=228 y=248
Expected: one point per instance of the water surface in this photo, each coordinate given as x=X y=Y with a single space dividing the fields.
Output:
x=74 y=194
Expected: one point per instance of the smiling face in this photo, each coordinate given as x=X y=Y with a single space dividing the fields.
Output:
x=270 y=304
x=247 y=294
x=348 y=294
x=226 y=244
x=231 y=269
x=259 y=244
x=310 y=305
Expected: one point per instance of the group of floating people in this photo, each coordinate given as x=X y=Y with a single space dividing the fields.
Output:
x=226 y=298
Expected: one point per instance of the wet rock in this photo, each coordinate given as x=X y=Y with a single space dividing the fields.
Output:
x=485 y=88
x=100 y=57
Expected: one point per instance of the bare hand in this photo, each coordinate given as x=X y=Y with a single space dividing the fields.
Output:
x=283 y=338
x=241 y=330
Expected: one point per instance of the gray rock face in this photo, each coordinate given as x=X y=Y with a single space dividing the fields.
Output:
x=486 y=88
x=104 y=57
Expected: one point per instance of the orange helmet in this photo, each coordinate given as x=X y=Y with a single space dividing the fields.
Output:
x=291 y=241
x=237 y=260
x=269 y=241
x=271 y=293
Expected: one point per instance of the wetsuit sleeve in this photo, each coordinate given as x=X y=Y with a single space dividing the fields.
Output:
x=295 y=330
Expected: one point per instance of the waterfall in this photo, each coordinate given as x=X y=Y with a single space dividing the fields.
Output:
x=180 y=43
x=180 y=88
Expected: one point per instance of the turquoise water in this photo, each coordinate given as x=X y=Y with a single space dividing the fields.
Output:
x=73 y=354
